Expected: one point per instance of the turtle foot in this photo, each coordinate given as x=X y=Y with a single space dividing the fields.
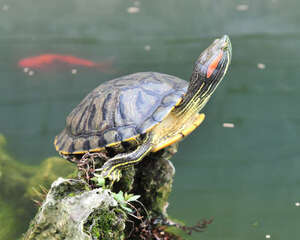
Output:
x=111 y=172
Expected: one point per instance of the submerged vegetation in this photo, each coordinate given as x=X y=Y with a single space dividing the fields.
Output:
x=20 y=184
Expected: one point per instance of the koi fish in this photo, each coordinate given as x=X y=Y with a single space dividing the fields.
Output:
x=45 y=60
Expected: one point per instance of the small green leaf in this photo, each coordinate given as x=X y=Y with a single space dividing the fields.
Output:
x=101 y=182
x=127 y=196
x=119 y=197
x=133 y=198
x=127 y=209
x=94 y=179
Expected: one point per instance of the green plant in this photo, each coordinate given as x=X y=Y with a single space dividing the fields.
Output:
x=124 y=198
x=98 y=180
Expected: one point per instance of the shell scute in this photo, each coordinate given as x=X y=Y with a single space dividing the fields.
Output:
x=127 y=132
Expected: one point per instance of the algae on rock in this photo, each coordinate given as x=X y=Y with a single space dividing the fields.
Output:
x=72 y=212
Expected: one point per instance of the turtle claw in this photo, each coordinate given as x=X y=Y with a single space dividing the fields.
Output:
x=116 y=175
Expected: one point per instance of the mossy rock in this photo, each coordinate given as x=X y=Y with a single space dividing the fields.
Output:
x=106 y=224
x=77 y=215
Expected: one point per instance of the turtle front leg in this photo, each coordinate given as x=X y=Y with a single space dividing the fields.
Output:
x=112 y=168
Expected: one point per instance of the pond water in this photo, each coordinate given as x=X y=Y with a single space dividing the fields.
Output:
x=246 y=177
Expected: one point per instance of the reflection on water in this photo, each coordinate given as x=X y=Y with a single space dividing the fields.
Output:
x=246 y=177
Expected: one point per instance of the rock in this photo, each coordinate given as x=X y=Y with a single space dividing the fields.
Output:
x=154 y=179
x=71 y=211
x=74 y=210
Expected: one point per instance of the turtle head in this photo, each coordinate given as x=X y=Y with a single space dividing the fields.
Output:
x=212 y=64
x=209 y=70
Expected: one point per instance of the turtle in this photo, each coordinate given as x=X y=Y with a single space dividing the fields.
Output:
x=131 y=116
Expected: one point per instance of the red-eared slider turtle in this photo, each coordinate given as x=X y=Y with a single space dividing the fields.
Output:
x=142 y=112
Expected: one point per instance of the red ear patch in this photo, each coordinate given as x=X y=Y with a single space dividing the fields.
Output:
x=214 y=65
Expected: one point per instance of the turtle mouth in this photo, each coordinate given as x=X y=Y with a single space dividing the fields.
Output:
x=223 y=42
x=220 y=44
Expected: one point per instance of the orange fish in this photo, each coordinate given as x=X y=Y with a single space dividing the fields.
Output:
x=45 y=60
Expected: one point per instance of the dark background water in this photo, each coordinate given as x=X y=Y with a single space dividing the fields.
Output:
x=246 y=177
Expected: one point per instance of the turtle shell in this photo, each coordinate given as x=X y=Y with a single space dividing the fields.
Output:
x=118 y=110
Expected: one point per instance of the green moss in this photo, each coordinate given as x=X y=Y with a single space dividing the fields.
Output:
x=106 y=224
x=66 y=189
x=72 y=194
